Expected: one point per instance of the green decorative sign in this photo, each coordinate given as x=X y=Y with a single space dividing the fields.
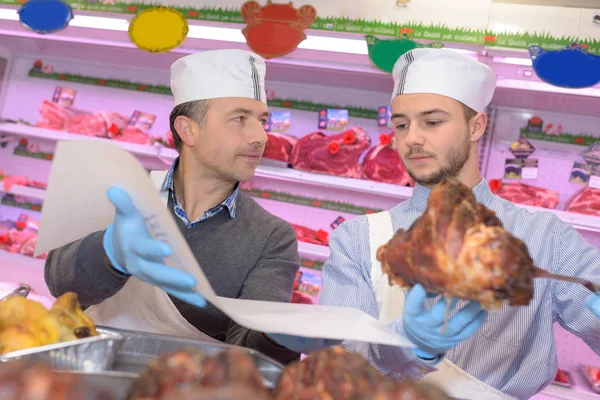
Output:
x=23 y=152
x=565 y=138
x=316 y=265
x=414 y=29
x=34 y=72
x=309 y=202
x=9 y=200
x=385 y=53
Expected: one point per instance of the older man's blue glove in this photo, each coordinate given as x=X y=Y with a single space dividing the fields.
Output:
x=132 y=250
x=424 y=328
x=593 y=303
x=302 y=344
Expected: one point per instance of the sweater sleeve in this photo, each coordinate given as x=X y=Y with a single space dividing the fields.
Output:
x=272 y=279
x=83 y=267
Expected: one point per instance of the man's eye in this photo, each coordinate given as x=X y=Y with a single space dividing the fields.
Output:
x=401 y=126
x=264 y=121
x=240 y=119
x=433 y=123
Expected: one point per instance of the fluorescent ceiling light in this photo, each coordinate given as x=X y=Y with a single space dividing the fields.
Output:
x=322 y=43
x=513 y=61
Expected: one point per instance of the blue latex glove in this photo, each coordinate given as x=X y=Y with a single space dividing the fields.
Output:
x=133 y=251
x=593 y=303
x=301 y=344
x=423 y=327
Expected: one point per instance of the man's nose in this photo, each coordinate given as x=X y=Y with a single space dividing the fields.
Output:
x=414 y=137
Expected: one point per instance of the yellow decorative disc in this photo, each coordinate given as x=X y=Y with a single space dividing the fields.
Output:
x=158 y=29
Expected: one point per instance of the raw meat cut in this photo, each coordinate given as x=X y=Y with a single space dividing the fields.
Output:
x=383 y=164
x=586 y=202
x=88 y=125
x=460 y=249
x=308 y=235
x=331 y=154
x=119 y=121
x=53 y=116
x=520 y=193
x=130 y=135
x=279 y=147
x=9 y=181
x=176 y=371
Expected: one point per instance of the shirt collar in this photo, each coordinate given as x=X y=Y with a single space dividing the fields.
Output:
x=168 y=184
x=420 y=195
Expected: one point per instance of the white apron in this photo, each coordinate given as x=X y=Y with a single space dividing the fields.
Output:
x=143 y=307
x=390 y=300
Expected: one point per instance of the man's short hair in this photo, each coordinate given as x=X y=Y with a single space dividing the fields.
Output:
x=195 y=110
x=468 y=112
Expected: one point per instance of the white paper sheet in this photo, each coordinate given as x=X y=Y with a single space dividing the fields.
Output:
x=76 y=205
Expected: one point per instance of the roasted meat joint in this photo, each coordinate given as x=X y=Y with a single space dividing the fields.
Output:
x=458 y=248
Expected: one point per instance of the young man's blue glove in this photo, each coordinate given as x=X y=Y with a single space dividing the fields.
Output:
x=593 y=303
x=300 y=344
x=132 y=250
x=424 y=328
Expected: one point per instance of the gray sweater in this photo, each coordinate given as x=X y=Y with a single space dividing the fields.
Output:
x=254 y=256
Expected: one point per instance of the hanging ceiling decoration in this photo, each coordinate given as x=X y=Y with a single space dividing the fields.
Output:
x=385 y=53
x=276 y=29
x=572 y=67
x=158 y=29
x=45 y=16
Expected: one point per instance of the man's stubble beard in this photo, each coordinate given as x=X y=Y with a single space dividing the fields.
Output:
x=457 y=158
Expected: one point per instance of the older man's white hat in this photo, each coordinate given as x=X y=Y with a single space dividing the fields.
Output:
x=218 y=74
x=445 y=72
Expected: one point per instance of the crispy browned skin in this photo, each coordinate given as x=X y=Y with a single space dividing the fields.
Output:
x=328 y=374
x=174 y=374
x=229 y=392
x=36 y=381
x=459 y=248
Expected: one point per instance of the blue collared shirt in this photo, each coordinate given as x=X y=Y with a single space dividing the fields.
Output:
x=515 y=350
x=229 y=202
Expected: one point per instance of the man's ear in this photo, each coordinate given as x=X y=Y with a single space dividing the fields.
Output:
x=186 y=129
x=477 y=126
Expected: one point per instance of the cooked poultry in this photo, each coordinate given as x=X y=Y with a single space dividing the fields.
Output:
x=173 y=374
x=74 y=323
x=334 y=374
x=36 y=381
x=25 y=323
x=459 y=248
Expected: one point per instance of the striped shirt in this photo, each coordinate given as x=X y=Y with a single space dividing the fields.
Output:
x=229 y=202
x=515 y=350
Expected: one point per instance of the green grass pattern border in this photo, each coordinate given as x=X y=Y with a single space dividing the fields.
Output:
x=358 y=112
x=564 y=138
x=417 y=30
x=310 y=264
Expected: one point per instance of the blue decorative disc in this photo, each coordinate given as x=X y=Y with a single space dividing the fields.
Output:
x=571 y=67
x=45 y=16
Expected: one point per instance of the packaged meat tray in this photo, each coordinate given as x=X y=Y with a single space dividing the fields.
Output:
x=95 y=353
x=563 y=378
x=138 y=349
x=592 y=376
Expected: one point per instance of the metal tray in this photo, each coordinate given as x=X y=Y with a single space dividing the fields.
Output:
x=113 y=385
x=95 y=353
x=138 y=349
x=595 y=386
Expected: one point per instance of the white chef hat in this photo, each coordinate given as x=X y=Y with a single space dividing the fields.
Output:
x=217 y=74
x=444 y=72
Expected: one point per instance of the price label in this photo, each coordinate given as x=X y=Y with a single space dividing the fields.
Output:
x=594 y=182
x=529 y=173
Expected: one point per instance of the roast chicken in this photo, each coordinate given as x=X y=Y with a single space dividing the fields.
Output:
x=459 y=248
x=25 y=323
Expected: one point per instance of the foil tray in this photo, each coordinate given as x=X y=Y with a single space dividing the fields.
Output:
x=104 y=385
x=95 y=353
x=139 y=348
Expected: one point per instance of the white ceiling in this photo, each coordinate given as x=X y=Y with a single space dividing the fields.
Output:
x=560 y=3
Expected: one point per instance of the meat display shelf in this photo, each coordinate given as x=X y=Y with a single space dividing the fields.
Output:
x=167 y=155
x=313 y=251
x=26 y=191
x=16 y=259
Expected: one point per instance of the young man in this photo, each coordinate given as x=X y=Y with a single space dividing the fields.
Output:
x=438 y=112
x=245 y=252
